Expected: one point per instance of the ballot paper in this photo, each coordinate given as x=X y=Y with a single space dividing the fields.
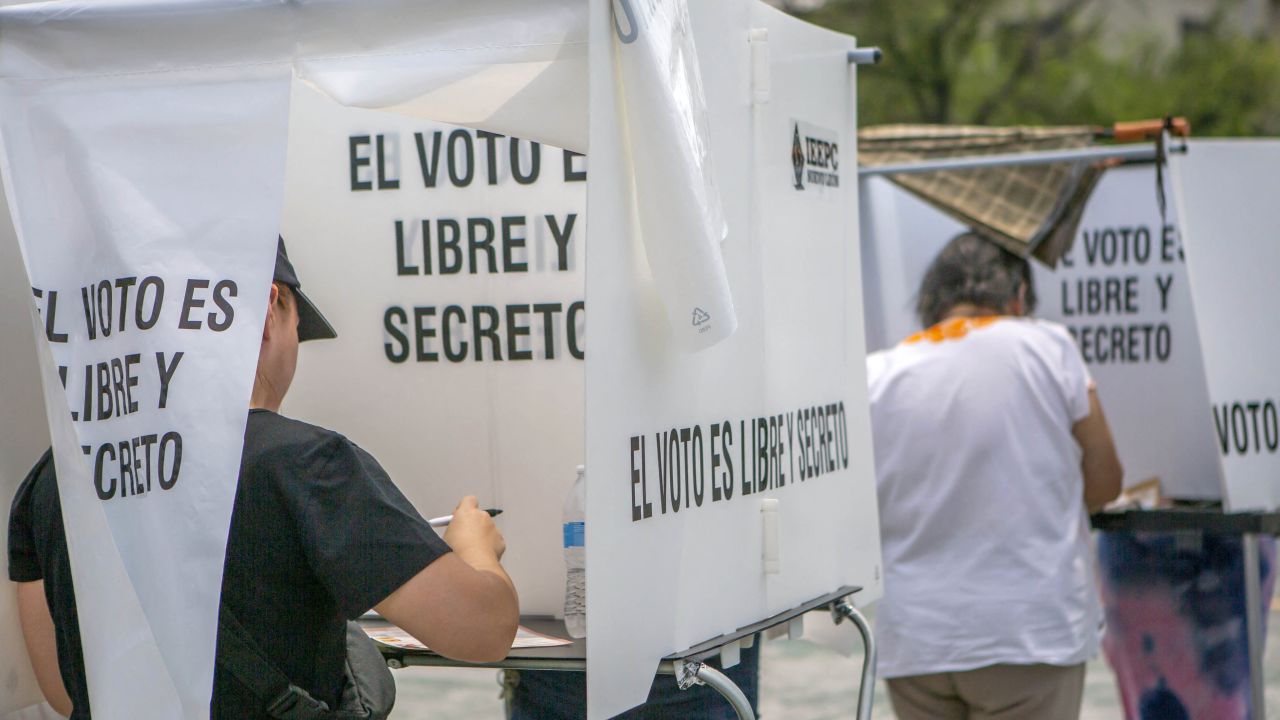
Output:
x=392 y=636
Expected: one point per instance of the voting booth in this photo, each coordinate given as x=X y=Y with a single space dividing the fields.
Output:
x=1172 y=312
x=1149 y=293
x=616 y=234
x=1121 y=290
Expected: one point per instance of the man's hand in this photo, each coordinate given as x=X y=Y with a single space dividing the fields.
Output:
x=472 y=532
x=463 y=605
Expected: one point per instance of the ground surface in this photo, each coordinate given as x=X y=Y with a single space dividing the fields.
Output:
x=799 y=681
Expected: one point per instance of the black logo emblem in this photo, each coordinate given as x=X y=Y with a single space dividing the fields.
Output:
x=797 y=157
x=700 y=317
x=815 y=157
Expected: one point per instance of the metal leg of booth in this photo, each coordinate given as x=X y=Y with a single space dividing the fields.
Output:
x=867 y=691
x=1253 y=622
x=690 y=673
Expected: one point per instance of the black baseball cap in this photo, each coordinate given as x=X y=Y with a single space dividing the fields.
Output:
x=311 y=324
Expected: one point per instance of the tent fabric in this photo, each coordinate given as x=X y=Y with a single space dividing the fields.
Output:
x=1031 y=210
x=506 y=66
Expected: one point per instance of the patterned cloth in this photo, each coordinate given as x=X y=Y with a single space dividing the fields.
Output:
x=1176 y=633
x=1030 y=210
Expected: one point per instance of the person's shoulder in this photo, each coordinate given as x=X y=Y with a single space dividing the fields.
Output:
x=43 y=470
x=1038 y=330
x=275 y=434
x=286 y=427
x=41 y=475
x=876 y=361
x=883 y=364
x=1050 y=343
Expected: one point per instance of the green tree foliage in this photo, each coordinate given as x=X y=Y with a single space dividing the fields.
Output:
x=1010 y=62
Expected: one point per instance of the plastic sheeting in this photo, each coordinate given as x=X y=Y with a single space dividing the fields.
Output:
x=681 y=220
x=151 y=296
x=507 y=65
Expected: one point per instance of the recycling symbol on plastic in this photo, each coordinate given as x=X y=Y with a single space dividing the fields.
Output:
x=700 y=317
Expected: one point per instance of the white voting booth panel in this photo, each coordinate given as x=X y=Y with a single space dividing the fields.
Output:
x=455 y=281
x=1230 y=224
x=682 y=449
x=1122 y=291
x=143 y=147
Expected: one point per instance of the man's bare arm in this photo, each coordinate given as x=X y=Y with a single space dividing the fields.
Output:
x=42 y=647
x=463 y=605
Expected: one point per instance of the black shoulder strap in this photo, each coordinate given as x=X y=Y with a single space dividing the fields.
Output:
x=239 y=655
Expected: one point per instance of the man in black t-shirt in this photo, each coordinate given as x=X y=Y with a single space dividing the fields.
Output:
x=319 y=534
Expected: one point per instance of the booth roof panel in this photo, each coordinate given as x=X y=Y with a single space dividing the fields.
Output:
x=56 y=39
x=506 y=65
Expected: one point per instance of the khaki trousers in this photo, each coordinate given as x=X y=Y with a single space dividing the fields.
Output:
x=996 y=692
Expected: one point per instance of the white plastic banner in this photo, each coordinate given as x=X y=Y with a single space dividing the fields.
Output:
x=683 y=448
x=151 y=301
x=1230 y=224
x=681 y=220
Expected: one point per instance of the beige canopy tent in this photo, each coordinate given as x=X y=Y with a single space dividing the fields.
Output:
x=1023 y=187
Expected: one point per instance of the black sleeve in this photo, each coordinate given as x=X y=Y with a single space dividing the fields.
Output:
x=362 y=537
x=24 y=561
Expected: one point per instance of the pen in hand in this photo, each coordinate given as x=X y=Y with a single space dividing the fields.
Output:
x=446 y=519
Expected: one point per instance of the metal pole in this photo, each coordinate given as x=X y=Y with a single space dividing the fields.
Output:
x=867 y=691
x=1253 y=624
x=1115 y=152
x=689 y=674
x=865 y=56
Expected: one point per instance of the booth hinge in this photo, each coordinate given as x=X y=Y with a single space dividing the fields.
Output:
x=865 y=56
x=687 y=674
x=761 y=85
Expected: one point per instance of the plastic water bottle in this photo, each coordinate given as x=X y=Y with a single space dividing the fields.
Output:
x=575 y=560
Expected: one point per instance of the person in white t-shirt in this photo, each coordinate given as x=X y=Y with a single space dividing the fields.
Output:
x=990 y=448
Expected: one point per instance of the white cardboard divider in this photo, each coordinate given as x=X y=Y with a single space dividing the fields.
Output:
x=1123 y=293
x=682 y=448
x=1230 y=222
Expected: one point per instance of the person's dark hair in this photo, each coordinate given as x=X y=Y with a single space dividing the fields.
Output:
x=972 y=269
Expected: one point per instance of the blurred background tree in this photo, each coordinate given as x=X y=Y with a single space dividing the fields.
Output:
x=1064 y=62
